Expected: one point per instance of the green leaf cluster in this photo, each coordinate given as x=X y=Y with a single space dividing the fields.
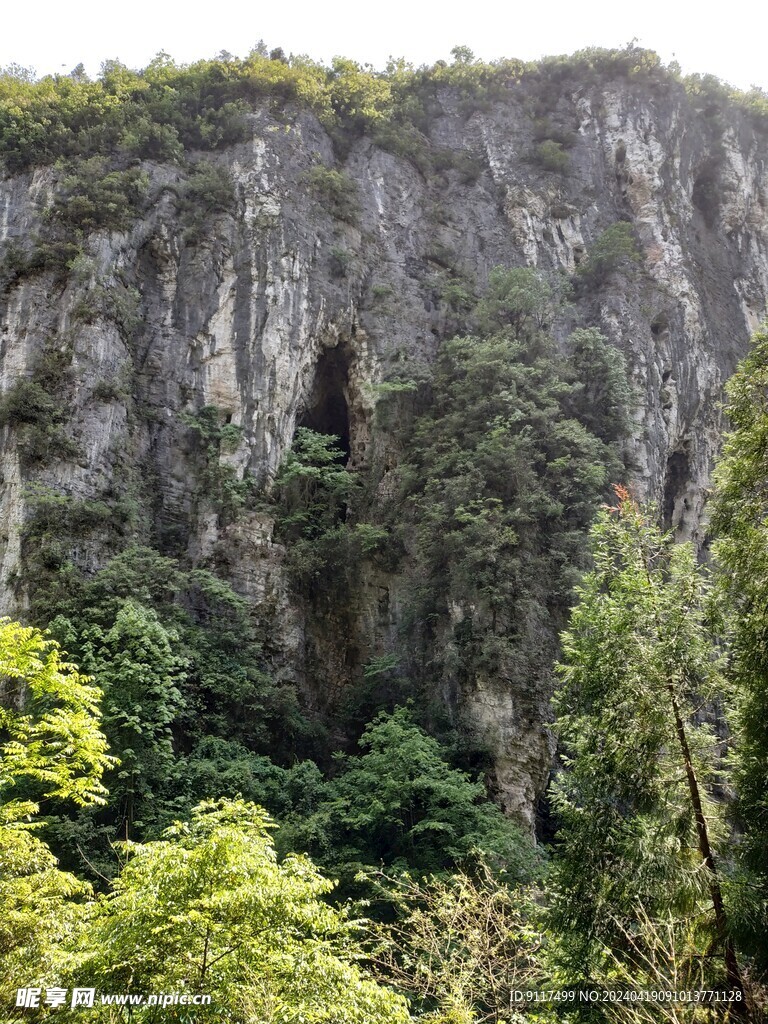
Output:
x=615 y=250
x=51 y=746
x=502 y=474
x=401 y=804
x=208 y=908
x=335 y=191
x=93 y=196
x=178 y=657
x=638 y=663
x=165 y=109
x=219 y=482
x=316 y=501
x=738 y=523
x=35 y=406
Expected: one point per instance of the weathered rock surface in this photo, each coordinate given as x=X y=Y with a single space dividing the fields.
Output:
x=276 y=312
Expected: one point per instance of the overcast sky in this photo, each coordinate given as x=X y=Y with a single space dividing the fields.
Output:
x=55 y=36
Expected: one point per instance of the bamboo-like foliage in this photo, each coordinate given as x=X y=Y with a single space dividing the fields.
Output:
x=740 y=525
x=460 y=946
x=640 y=674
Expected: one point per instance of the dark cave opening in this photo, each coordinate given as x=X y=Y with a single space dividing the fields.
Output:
x=676 y=480
x=327 y=411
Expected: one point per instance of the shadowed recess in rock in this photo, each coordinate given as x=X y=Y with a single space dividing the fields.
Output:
x=327 y=411
x=676 y=481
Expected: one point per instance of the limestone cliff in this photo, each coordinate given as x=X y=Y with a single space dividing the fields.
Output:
x=288 y=310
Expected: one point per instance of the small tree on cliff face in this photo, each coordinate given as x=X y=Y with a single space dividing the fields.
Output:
x=638 y=826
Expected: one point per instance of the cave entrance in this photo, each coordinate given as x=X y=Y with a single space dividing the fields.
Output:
x=327 y=410
x=676 y=480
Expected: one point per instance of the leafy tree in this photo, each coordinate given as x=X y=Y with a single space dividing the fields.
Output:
x=315 y=484
x=500 y=482
x=602 y=395
x=92 y=196
x=616 y=249
x=315 y=493
x=358 y=98
x=50 y=745
x=460 y=945
x=177 y=654
x=159 y=112
x=463 y=55
x=401 y=804
x=552 y=157
x=53 y=738
x=519 y=300
x=639 y=827
x=208 y=909
x=741 y=552
x=336 y=192
x=139 y=671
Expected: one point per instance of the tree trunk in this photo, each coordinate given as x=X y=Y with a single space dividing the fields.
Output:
x=733 y=974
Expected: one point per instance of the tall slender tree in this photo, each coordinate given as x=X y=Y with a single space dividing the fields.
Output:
x=639 y=666
x=740 y=525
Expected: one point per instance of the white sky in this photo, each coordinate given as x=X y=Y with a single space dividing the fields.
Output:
x=54 y=36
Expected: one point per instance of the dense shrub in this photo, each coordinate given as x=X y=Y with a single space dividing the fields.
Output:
x=616 y=249
x=36 y=407
x=335 y=191
x=160 y=112
x=92 y=196
x=551 y=156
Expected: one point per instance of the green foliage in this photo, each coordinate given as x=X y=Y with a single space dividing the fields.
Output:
x=208 y=909
x=178 y=655
x=401 y=804
x=550 y=155
x=501 y=481
x=158 y=113
x=340 y=260
x=53 y=737
x=602 y=396
x=518 y=300
x=40 y=907
x=114 y=389
x=314 y=484
x=546 y=129
x=111 y=300
x=54 y=256
x=50 y=744
x=219 y=483
x=357 y=98
x=635 y=802
x=36 y=406
x=208 y=191
x=58 y=524
x=615 y=251
x=92 y=196
x=741 y=554
x=228 y=767
x=26 y=401
x=335 y=191
x=314 y=491
x=461 y=946
x=139 y=672
x=457 y=292
x=225 y=689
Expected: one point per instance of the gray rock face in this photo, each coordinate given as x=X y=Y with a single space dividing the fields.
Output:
x=274 y=313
